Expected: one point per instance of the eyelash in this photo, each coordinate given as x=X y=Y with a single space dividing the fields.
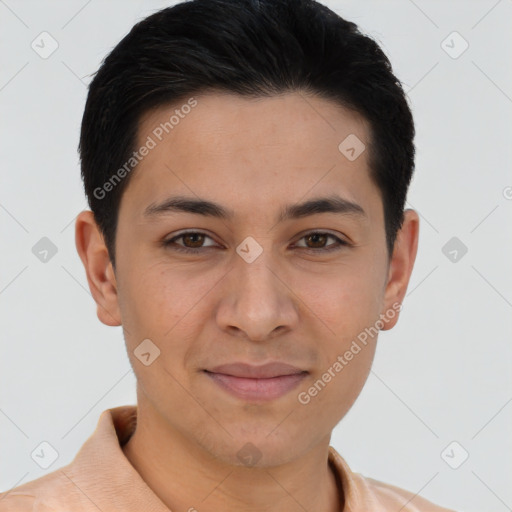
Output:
x=171 y=245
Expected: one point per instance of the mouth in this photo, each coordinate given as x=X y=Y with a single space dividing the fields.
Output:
x=257 y=383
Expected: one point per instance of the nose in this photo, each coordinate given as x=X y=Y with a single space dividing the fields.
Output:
x=257 y=302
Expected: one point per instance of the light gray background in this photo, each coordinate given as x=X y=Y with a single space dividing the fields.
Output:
x=441 y=375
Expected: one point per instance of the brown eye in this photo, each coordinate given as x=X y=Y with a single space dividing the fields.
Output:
x=193 y=241
x=316 y=241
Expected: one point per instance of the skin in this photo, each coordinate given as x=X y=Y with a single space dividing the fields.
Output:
x=253 y=156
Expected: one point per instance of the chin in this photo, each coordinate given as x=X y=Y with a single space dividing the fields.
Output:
x=256 y=448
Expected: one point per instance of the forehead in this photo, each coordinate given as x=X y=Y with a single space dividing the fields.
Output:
x=239 y=150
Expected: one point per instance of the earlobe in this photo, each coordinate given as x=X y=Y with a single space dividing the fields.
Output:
x=400 y=268
x=93 y=252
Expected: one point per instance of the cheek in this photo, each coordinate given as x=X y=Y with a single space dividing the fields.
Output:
x=157 y=298
x=162 y=307
x=344 y=300
x=170 y=306
x=345 y=307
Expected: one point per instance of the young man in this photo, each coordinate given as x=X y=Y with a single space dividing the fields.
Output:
x=246 y=164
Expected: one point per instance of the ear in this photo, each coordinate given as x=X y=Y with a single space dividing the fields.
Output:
x=100 y=273
x=400 y=268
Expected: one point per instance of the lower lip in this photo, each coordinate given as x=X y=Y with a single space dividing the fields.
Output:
x=257 y=389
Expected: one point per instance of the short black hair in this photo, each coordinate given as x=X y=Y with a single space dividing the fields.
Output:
x=254 y=48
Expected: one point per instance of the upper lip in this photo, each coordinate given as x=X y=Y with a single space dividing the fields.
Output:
x=266 y=371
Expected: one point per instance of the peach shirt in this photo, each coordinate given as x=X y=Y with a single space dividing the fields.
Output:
x=101 y=478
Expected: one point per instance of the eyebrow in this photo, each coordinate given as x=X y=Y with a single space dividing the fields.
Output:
x=331 y=204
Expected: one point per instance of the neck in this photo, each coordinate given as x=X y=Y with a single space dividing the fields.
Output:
x=186 y=477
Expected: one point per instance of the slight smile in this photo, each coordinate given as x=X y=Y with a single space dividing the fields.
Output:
x=257 y=383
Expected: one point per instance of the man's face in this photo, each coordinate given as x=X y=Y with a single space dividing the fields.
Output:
x=295 y=303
